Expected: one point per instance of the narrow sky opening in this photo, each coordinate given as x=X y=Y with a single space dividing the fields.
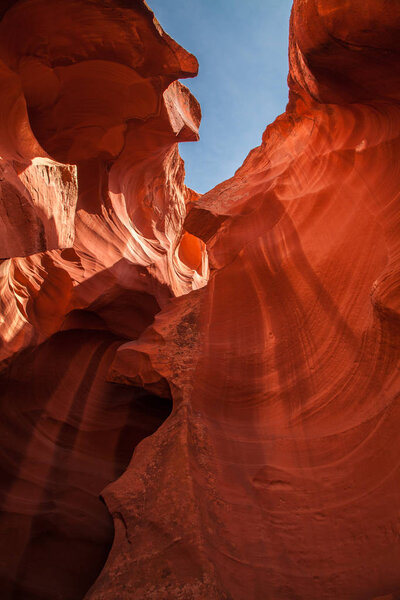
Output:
x=242 y=51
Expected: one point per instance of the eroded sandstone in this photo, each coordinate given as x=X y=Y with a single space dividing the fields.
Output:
x=276 y=474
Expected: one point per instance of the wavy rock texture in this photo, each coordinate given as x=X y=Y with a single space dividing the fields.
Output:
x=92 y=204
x=276 y=475
x=280 y=461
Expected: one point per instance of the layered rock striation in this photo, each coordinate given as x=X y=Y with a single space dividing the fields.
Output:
x=92 y=204
x=276 y=473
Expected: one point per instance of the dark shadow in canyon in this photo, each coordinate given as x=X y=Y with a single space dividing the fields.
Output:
x=65 y=434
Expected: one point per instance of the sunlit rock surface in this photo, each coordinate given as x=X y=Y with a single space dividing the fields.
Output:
x=276 y=476
x=92 y=205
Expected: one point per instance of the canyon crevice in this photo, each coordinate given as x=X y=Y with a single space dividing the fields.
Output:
x=199 y=392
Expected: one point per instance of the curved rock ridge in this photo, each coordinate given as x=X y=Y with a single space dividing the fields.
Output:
x=100 y=94
x=277 y=474
x=92 y=205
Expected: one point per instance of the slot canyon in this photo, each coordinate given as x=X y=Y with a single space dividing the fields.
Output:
x=199 y=392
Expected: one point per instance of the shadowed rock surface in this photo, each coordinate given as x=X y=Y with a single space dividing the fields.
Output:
x=276 y=474
x=92 y=206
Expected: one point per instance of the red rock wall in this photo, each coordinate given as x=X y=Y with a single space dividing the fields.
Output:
x=92 y=207
x=276 y=476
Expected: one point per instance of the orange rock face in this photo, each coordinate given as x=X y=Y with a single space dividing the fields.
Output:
x=276 y=474
x=92 y=207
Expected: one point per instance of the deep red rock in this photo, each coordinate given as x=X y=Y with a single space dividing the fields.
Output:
x=92 y=204
x=276 y=475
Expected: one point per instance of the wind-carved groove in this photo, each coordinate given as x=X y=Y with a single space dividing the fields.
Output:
x=66 y=434
x=241 y=427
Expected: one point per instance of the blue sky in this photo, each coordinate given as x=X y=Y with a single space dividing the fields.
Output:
x=241 y=46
